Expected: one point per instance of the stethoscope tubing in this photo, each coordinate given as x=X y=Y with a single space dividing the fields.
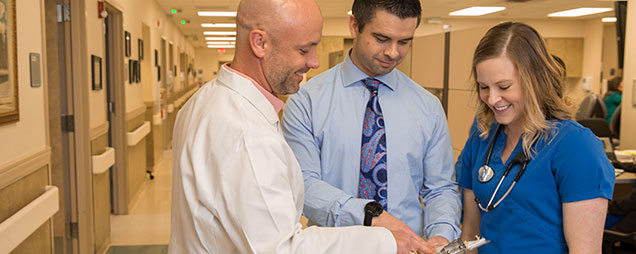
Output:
x=519 y=158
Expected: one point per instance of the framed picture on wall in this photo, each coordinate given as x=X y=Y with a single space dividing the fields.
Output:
x=131 y=71
x=127 y=43
x=96 y=72
x=138 y=71
x=9 y=110
x=140 y=43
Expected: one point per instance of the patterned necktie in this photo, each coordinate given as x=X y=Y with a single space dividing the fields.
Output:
x=373 y=174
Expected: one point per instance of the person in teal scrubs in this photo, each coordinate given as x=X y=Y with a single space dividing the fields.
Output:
x=613 y=96
x=555 y=194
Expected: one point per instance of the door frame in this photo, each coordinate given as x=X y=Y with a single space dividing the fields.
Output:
x=81 y=184
x=115 y=86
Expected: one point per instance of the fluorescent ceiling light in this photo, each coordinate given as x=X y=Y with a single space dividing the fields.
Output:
x=221 y=46
x=579 y=12
x=217 y=13
x=218 y=25
x=220 y=42
x=219 y=33
x=609 y=19
x=477 y=11
x=220 y=38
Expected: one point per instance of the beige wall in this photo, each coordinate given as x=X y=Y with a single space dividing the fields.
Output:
x=628 y=111
x=29 y=134
x=136 y=168
x=610 y=51
x=95 y=46
x=208 y=60
x=24 y=153
x=101 y=198
x=593 y=53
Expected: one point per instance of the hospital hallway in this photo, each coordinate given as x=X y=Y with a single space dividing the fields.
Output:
x=146 y=229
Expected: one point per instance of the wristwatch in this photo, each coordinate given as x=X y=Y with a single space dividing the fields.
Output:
x=371 y=209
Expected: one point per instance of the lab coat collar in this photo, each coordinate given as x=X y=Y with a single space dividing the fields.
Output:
x=275 y=101
x=351 y=74
x=248 y=90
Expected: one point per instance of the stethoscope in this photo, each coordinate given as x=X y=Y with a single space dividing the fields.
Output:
x=486 y=173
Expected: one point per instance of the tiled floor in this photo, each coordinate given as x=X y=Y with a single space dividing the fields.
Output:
x=148 y=222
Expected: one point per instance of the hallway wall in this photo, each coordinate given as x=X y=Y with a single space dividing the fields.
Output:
x=207 y=60
x=29 y=134
x=25 y=151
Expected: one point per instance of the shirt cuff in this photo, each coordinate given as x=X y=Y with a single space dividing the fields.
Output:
x=355 y=211
x=444 y=230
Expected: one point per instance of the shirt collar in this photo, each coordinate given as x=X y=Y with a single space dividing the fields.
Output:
x=351 y=74
x=277 y=103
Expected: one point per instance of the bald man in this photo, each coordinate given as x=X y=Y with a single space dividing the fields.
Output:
x=237 y=187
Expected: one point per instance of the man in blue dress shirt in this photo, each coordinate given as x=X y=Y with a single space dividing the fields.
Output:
x=412 y=160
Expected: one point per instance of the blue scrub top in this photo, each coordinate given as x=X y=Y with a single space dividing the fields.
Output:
x=569 y=166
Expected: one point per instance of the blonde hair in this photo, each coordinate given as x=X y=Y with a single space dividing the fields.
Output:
x=540 y=75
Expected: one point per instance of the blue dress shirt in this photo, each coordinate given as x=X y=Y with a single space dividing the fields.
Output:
x=570 y=166
x=323 y=125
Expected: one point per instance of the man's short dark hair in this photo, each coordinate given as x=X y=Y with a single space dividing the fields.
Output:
x=364 y=10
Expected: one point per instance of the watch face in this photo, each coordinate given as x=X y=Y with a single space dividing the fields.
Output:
x=373 y=208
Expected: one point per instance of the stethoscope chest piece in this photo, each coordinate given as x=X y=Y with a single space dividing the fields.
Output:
x=485 y=173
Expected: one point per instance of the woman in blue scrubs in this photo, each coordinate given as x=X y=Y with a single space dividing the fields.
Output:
x=554 y=196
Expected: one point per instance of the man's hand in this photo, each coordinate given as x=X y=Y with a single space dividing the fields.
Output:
x=407 y=244
x=404 y=235
x=437 y=241
x=385 y=219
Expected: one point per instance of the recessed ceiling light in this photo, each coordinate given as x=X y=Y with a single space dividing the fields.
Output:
x=579 y=12
x=220 y=42
x=609 y=19
x=218 y=25
x=217 y=13
x=219 y=33
x=477 y=11
x=220 y=38
x=221 y=46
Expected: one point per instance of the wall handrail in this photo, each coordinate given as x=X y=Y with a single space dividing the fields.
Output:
x=103 y=161
x=27 y=220
x=138 y=134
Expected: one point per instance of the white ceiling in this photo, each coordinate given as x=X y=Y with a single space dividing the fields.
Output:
x=515 y=9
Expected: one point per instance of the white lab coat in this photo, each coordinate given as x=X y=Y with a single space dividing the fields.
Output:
x=237 y=187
